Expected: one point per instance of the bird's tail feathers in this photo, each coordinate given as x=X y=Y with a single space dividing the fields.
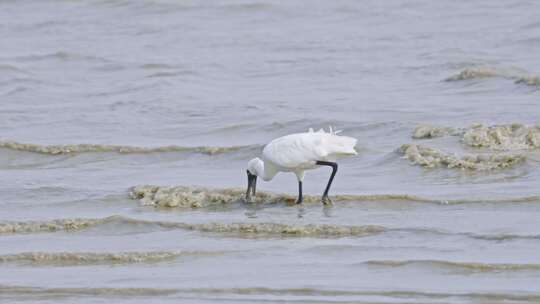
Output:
x=341 y=145
x=330 y=130
x=338 y=144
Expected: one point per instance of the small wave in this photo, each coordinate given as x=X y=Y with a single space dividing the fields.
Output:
x=166 y=70
x=171 y=74
x=199 y=197
x=529 y=80
x=158 y=66
x=15 y=91
x=502 y=237
x=78 y=224
x=269 y=229
x=429 y=131
x=249 y=7
x=503 y=137
x=479 y=72
x=431 y=158
x=91 y=258
x=39 y=25
x=21 y=81
x=249 y=293
x=96 y=148
x=12 y=68
x=532 y=25
x=507 y=137
x=519 y=77
x=463 y=266
x=476 y=236
x=263 y=229
x=79 y=292
x=60 y=55
x=49 y=226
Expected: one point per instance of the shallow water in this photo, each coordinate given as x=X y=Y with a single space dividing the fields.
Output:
x=98 y=97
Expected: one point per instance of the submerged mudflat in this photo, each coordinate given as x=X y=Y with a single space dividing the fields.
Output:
x=125 y=129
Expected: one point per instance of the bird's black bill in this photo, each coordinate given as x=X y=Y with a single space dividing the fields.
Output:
x=252 y=185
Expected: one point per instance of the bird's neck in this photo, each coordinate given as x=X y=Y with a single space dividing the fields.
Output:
x=263 y=171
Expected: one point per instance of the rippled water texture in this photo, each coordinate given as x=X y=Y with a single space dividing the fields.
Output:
x=126 y=127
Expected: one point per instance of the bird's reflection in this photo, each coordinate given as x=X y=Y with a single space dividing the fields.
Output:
x=328 y=210
x=251 y=210
x=301 y=211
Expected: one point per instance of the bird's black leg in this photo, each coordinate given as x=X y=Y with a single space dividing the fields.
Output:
x=334 y=166
x=254 y=186
x=300 y=198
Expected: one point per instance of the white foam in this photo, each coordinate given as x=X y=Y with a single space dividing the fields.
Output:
x=504 y=137
x=432 y=158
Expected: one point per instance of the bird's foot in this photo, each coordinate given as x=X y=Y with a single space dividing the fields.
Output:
x=326 y=200
x=298 y=202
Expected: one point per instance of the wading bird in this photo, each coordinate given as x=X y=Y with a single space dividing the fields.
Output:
x=297 y=153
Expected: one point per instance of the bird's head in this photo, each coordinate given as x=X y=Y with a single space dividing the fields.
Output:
x=254 y=168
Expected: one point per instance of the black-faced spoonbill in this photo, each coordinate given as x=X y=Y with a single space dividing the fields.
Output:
x=297 y=153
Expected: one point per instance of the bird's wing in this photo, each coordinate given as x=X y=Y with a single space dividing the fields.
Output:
x=304 y=149
x=296 y=150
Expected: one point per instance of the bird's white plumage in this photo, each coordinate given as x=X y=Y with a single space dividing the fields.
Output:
x=300 y=151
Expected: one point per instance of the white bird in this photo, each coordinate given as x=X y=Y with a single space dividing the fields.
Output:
x=297 y=153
